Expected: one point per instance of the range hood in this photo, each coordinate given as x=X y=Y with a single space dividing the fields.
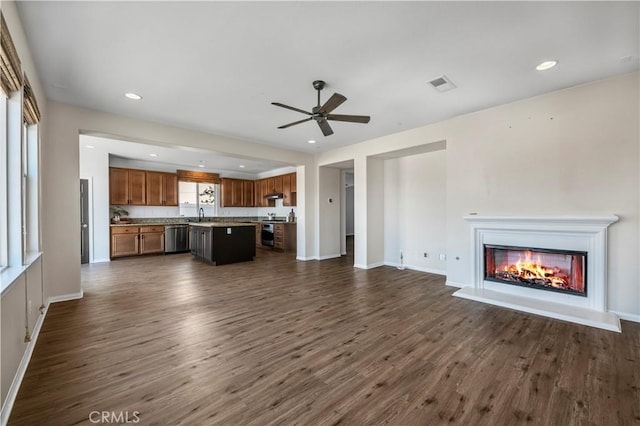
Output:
x=274 y=196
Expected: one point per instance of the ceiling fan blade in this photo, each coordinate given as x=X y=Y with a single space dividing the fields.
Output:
x=332 y=103
x=324 y=126
x=349 y=118
x=295 y=122
x=290 y=107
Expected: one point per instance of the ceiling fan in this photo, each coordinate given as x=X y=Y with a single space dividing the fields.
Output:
x=323 y=113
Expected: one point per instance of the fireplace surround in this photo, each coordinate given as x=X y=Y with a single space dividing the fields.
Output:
x=571 y=250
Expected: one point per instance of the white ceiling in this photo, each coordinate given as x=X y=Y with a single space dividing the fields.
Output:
x=217 y=66
x=168 y=158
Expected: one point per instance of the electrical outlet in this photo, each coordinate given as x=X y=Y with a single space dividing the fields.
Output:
x=426 y=254
x=443 y=256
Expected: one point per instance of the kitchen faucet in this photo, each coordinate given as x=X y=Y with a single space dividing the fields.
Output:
x=201 y=215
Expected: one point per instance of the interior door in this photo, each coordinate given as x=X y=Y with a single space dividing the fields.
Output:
x=84 y=221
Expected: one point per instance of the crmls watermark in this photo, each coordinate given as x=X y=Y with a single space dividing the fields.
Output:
x=117 y=417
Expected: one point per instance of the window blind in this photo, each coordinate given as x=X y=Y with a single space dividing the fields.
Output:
x=11 y=75
x=30 y=105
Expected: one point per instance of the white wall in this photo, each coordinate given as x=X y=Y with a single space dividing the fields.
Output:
x=570 y=152
x=329 y=204
x=349 y=210
x=375 y=212
x=94 y=166
x=415 y=211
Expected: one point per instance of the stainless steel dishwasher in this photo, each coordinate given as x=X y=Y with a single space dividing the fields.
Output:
x=176 y=238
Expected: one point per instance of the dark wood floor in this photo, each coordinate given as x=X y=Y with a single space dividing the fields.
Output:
x=170 y=340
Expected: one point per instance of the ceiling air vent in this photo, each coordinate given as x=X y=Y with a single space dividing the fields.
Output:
x=442 y=84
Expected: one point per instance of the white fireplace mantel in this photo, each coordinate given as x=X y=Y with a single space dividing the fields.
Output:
x=579 y=233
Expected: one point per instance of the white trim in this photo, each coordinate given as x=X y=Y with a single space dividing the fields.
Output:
x=303 y=258
x=65 y=297
x=369 y=266
x=329 y=256
x=22 y=369
x=627 y=317
x=455 y=284
x=605 y=320
x=101 y=260
x=344 y=253
x=10 y=275
x=418 y=268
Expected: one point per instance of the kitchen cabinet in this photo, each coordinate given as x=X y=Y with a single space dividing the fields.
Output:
x=200 y=242
x=124 y=241
x=248 y=198
x=237 y=193
x=289 y=196
x=134 y=240
x=221 y=244
x=162 y=189
x=127 y=186
x=264 y=186
x=284 y=236
x=151 y=239
x=259 y=234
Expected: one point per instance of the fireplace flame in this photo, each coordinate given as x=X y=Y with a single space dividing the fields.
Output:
x=529 y=269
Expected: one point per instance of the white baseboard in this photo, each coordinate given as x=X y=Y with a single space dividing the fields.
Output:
x=65 y=297
x=418 y=268
x=22 y=369
x=101 y=260
x=626 y=316
x=344 y=253
x=305 y=258
x=329 y=256
x=455 y=284
x=369 y=266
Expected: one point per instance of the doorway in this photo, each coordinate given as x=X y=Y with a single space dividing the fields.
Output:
x=84 y=221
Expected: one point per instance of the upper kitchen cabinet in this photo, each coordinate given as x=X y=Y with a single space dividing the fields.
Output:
x=127 y=186
x=289 y=195
x=236 y=193
x=248 y=196
x=162 y=189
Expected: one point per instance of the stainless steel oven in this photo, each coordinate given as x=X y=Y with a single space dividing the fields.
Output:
x=267 y=234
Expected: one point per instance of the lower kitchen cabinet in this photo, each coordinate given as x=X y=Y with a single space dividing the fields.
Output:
x=285 y=236
x=124 y=241
x=221 y=245
x=134 y=240
x=151 y=239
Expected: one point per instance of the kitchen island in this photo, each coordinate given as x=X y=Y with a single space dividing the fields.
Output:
x=221 y=243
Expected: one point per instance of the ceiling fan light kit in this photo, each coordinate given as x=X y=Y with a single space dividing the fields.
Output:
x=322 y=114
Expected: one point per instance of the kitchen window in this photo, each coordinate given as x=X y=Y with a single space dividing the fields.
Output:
x=194 y=196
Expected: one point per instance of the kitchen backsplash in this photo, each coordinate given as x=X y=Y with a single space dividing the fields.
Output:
x=169 y=212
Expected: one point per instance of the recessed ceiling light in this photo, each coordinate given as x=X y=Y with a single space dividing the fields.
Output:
x=546 y=65
x=200 y=165
x=153 y=155
x=242 y=166
x=89 y=146
x=312 y=141
x=133 y=96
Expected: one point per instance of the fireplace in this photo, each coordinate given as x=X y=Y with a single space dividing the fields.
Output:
x=563 y=271
x=515 y=260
